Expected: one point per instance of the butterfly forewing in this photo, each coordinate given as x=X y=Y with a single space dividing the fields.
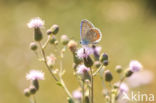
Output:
x=85 y=26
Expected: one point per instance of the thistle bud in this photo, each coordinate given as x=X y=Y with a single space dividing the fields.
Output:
x=107 y=99
x=108 y=76
x=52 y=40
x=64 y=39
x=72 y=45
x=27 y=92
x=118 y=69
x=56 y=42
x=114 y=91
x=104 y=59
x=35 y=84
x=32 y=89
x=97 y=64
x=76 y=59
x=87 y=99
x=53 y=30
x=33 y=46
x=116 y=85
x=128 y=73
x=70 y=100
x=37 y=34
x=105 y=62
x=88 y=62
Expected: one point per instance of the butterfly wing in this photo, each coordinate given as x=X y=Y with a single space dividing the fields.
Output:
x=93 y=35
x=84 y=27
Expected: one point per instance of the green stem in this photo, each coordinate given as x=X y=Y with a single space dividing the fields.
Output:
x=33 y=99
x=122 y=79
x=83 y=91
x=62 y=82
x=65 y=87
x=45 y=61
x=92 y=87
x=95 y=73
x=46 y=43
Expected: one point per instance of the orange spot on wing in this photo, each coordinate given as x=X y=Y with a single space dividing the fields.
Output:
x=97 y=34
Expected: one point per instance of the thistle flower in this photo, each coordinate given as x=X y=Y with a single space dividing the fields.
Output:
x=51 y=60
x=83 y=71
x=77 y=94
x=135 y=66
x=96 y=51
x=35 y=75
x=123 y=88
x=84 y=52
x=137 y=79
x=36 y=23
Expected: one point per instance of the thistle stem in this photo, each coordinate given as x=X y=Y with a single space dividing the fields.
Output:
x=62 y=82
x=122 y=79
x=92 y=87
x=65 y=87
x=97 y=71
x=45 y=61
x=46 y=43
x=33 y=99
x=83 y=91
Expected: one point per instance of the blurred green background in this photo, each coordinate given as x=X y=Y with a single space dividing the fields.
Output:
x=129 y=32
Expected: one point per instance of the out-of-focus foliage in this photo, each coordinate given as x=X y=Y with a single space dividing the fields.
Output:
x=128 y=28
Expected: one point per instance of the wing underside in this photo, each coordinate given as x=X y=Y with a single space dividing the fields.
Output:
x=85 y=26
x=93 y=35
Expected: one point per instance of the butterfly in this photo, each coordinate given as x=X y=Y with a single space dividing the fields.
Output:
x=89 y=33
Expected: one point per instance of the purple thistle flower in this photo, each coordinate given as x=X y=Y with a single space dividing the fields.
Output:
x=124 y=88
x=137 y=79
x=35 y=75
x=82 y=69
x=77 y=94
x=36 y=23
x=135 y=66
x=96 y=51
x=84 y=52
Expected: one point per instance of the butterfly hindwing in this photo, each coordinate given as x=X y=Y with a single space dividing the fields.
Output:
x=93 y=35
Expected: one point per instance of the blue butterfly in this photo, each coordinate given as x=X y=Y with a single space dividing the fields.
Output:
x=89 y=33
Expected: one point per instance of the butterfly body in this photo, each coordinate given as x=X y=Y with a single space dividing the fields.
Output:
x=89 y=33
